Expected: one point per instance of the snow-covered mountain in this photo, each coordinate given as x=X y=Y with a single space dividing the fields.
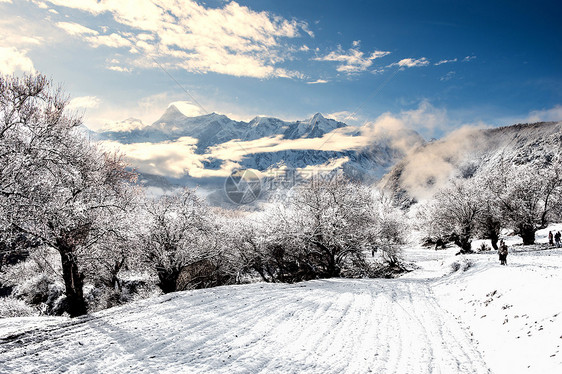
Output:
x=467 y=150
x=212 y=129
x=211 y=141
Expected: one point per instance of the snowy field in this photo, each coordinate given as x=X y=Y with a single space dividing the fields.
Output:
x=454 y=314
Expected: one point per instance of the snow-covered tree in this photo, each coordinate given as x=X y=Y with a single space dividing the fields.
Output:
x=179 y=233
x=390 y=230
x=526 y=195
x=331 y=221
x=454 y=213
x=56 y=186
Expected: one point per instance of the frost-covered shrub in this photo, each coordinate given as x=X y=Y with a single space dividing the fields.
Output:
x=44 y=292
x=102 y=297
x=40 y=261
x=461 y=264
x=138 y=289
x=13 y=307
x=484 y=247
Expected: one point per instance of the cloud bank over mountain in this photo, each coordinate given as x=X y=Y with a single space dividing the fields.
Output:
x=213 y=145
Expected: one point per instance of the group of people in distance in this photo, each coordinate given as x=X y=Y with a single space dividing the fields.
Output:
x=554 y=238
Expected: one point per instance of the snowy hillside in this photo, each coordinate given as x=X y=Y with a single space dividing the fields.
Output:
x=513 y=313
x=454 y=314
x=467 y=150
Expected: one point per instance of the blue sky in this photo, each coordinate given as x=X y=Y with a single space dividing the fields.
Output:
x=436 y=64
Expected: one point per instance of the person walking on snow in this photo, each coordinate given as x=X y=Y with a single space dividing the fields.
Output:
x=557 y=239
x=502 y=251
x=550 y=239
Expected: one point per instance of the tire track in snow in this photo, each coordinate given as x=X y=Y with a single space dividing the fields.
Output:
x=324 y=326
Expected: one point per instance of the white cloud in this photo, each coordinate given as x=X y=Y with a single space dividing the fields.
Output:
x=84 y=102
x=411 y=62
x=468 y=58
x=119 y=68
x=13 y=60
x=546 y=115
x=307 y=170
x=40 y=4
x=22 y=34
x=231 y=40
x=343 y=116
x=6 y=1
x=111 y=40
x=445 y=62
x=337 y=140
x=73 y=28
x=188 y=109
x=318 y=81
x=172 y=158
x=125 y=125
x=447 y=76
x=426 y=118
x=353 y=60
x=438 y=161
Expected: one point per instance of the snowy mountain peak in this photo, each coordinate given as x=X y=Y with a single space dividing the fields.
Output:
x=172 y=114
x=187 y=108
x=318 y=117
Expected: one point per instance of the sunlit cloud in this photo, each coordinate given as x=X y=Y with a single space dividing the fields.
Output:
x=84 y=102
x=188 y=109
x=309 y=170
x=231 y=40
x=172 y=158
x=428 y=168
x=445 y=62
x=111 y=40
x=546 y=115
x=118 y=68
x=125 y=125
x=73 y=28
x=343 y=116
x=353 y=60
x=411 y=62
x=318 y=81
x=14 y=60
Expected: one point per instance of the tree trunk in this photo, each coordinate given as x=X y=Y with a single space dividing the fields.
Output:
x=493 y=231
x=494 y=239
x=168 y=279
x=527 y=233
x=464 y=243
x=73 y=280
x=333 y=269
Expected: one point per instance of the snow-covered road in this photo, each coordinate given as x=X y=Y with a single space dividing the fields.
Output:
x=325 y=326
